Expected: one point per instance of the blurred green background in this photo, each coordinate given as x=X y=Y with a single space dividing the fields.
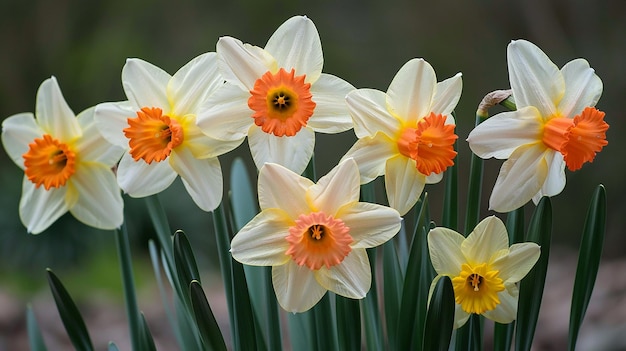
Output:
x=85 y=44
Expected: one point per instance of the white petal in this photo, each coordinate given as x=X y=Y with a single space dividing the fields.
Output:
x=444 y=246
x=501 y=134
x=535 y=80
x=370 y=224
x=339 y=187
x=447 y=95
x=53 y=114
x=193 y=83
x=92 y=146
x=201 y=177
x=371 y=155
x=296 y=44
x=520 y=178
x=412 y=90
x=520 y=260
x=17 y=132
x=351 y=278
x=555 y=181
x=111 y=119
x=145 y=84
x=403 y=182
x=488 y=238
x=262 y=242
x=99 y=202
x=368 y=108
x=39 y=208
x=225 y=114
x=203 y=146
x=242 y=64
x=284 y=189
x=140 y=179
x=434 y=178
x=583 y=88
x=460 y=316
x=331 y=112
x=296 y=288
x=292 y=152
x=506 y=311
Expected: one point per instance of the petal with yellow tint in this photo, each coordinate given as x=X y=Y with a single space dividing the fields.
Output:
x=18 y=131
x=296 y=288
x=446 y=255
x=92 y=146
x=371 y=155
x=487 y=238
x=140 y=179
x=145 y=84
x=225 y=115
x=583 y=88
x=201 y=177
x=520 y=260
x=368 y=108
x=339 y=187
x=293 y=152
x=370 y=224
x=39 y=208
x=111 y=118
x=53 y=114
x=282 y=188
x=411 y=91
x=447 y=95
x=403 y=182
x=193 y=84
x=506 y=311
x=331 y=113
x=351 y=278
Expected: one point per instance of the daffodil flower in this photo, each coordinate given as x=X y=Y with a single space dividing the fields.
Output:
x=67 y=164
x=555 y=125
x=407 y=134
x=314 y=235
x=157 y=127
x=277 y=96
x=483 y=269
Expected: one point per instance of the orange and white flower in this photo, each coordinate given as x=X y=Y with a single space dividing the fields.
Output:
x=314 y=235
x=157 y=127
x=407 y=134
x=67 y=164
x=277 y=96
x=555 y=125
x=483 y=268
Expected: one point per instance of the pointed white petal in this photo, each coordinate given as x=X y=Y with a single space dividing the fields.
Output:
x=555 y=181
x=145 y=84
x=39 y=208
x=292 y=152
x=447 y=95
x=368 y=108
x=202 y=178
x=371 y=155
x=17 y=132
x=242 y=64
x=296 y=44
x=446 y=255
x=411 y=91
x=535 y=80
x=460 y=316
x=506 y=311
x=92 y=146
x=284 y=189
x=203 y=146
x=351 y=278
x=370 y=224
x=193 y=83
x=331 y=112
x=111 y=119
x=403 y=182
x=488 y=238
x=296 y=288
x=501 y=134
x=140 y=179
x=225 y=114
x=53 y=114
x=262 y=242
x=339 y=187
x=583 y=88
x=520 y=260
x=434 y=178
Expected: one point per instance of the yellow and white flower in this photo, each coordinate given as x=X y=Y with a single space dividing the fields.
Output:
x=67 y=164
x=277 y=96
x=314 y=235
x=555 y=125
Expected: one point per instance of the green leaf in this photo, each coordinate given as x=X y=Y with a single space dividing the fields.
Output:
x=112 y=347
x=34 y=333
x=348 y=323
x=588 y=262
x=450 y=215
x=222 y=236
x=130 y=298
x=371 y=316
x=184 y=259
x=531 y=287
x=440 y=317
x=147 y=342
x=244 y=317
x=205 y=320
x=474 y=190
x=302 y=334
x=325 y=324
x=392 y=288
x=70 y=316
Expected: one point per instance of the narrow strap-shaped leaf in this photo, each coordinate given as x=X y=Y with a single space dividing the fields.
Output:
x=274 y=339
x=161 y=226
x=348 y=323
x=147 y=341
x=184 y=259
x=112 y=347
x=325 y=325
x=302 y=334
x=371 y=315
x=243 y=310
x=450 y=214
x=440 y=317
x=128 y=284
x=531 y=287
x=588 y=262
x=70 y=316
x=222 y=236
x=392 y=288
x=35 y=340
x=205 y=320
x=474 y=190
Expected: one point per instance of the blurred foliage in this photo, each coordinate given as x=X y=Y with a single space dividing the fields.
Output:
x=85 y=44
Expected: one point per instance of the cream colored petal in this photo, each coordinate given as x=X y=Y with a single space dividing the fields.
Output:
x=371 y=155
x=242 y=64
x=201 y=177
x=111 y=119
x=99 y=202
x=555 y=181
x=501 y=134
x=193 y=83
x=489 y=237
x=506 y=311
x=583 y=88
x=370 y=224
x=368 y=108
x=535 y=79
x=447 y=95
x=17 y=132
x=296 y=44
x=460 y=316
x=53 y=114
x=139 y=179
x=434 y=178
x=339 y=187
x=204 y=146
x=403 y=182
x=520 y=260
x=92 y=146
x=331 y=112
x=295 y=287
x=444 y=246
x=145 y=84
x=262 y=242
x=225 y=114
x=351 y=278
x=411 y=91
x=39 y=208
x=520 y=178
x=292 y=152
x=284 y=189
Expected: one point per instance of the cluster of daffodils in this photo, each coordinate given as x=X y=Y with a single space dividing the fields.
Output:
x=313 y=235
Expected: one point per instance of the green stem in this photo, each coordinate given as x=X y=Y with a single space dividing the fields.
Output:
x=132 y=310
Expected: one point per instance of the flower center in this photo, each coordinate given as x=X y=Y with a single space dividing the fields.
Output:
x=318 y=240
x=431 y=144
x=476 y=288
x=578 y=138
x=49 y=162
x=152 y=136
x=282 y=103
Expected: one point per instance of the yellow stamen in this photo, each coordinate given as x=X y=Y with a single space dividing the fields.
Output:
x=49 y=162
x=152 y=136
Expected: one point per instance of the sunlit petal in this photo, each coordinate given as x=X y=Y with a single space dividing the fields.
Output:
x=17 y=132
x=371 y=155
x=583 y=88
x=111 y=119
x=53 y=114
x=92 y=146
x=225 y=115
x=555 y=181
x=262 y=242
x=295 y=287
x=284 y=189
x=521 y=258
x=506 y=311
x=403 y=182
x=489 y=237
x=339 y=187
x=370 y=224
x=447 y=95
x=411 y=92
x=368 y=108
x=39 y=208
x=242 y=64
x=444 y=246
x=193 y=83
x=145 y=84
x=292 y=152
x=140 y=179
x=201 y=177
x=331 y=112
x=352 y=278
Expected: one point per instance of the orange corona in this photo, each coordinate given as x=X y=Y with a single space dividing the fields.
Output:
x=152 y=136
x=49 y=162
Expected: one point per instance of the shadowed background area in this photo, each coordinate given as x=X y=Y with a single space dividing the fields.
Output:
x=85 y=45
